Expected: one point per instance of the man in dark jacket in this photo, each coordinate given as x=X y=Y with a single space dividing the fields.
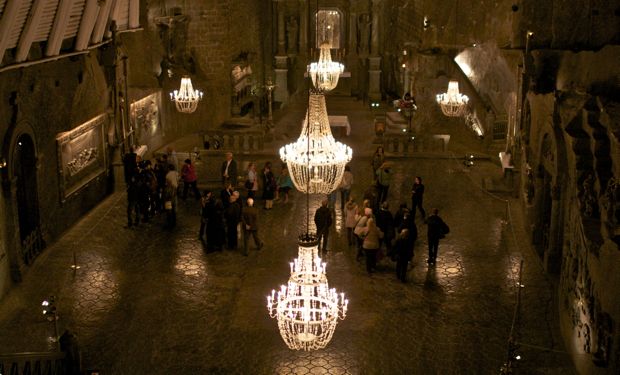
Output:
x=323 y=220
x=437 y=230
x=133 y=200
x=385 y=222
x=404 y=253
x=249 y=218
x=130 y=164
x=417 y=197
x=229 y=171
x=232 y=216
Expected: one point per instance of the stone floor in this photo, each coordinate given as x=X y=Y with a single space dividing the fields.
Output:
x=149 y=301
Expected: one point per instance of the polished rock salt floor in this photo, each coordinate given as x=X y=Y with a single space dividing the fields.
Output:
x=150 y=301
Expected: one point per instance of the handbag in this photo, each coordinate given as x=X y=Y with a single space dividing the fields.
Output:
x=249 y=185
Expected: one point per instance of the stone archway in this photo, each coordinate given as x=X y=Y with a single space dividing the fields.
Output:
x=24 y=167
x=21 y=201
x=550 y=181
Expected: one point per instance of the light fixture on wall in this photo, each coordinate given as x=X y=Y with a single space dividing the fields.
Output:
x=306 y=308
x=316 y=160
x=186 y=98
x=453 y=103
x=325 y=72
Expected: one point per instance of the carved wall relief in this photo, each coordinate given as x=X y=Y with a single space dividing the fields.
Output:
x=363 y=27
x=610 y=202
x=587 y=197
x=81 y=155
x=292 y=35
x=145 y=118
x=592 y=327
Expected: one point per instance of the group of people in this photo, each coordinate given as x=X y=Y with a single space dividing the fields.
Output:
x=371 y=227
x=152 y=186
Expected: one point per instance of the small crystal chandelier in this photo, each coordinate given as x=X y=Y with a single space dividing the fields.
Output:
x=316 y=160
x=186 y=98
x=306 y=308
x=453 y=103
x=325 y=72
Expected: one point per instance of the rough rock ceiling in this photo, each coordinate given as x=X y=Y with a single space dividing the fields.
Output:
x=25 y=22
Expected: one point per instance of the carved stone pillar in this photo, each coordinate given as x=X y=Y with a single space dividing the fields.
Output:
x=352 y=47
x=303 y=27
x=374 y=36
x=281 y=31
x=374 y=78
x=553 y=255
x=280 y=93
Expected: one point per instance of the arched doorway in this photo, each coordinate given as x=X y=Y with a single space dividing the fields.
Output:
x=542 y=230
x=25 y=173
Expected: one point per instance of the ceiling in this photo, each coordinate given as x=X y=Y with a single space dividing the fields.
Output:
x=49 y=23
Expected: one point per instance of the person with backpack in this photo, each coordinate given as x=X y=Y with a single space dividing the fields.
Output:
x=437 y=229
x=384 y=177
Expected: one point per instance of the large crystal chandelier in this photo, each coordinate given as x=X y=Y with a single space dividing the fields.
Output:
x=316 y=160
x=306 y=308
x=325 y=72
x=186 y=98
x=453 y=103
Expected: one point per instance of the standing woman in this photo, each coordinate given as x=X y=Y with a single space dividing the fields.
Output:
x=417 y=197
x=350 y=219
x=269 y=186
x=188 y=174
x=377 y=160
x=251 y=182
x=285 y=184
x=372 y=235
x=345 y=186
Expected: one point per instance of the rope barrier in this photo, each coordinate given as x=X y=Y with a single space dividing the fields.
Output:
x=514 y=344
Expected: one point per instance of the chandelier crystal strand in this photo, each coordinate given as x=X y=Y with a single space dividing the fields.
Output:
x=306 y=308
x=325 y=72
x=453 y=103
x=316 y=160
x=186 y=98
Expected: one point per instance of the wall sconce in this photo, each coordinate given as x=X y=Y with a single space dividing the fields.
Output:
x=2 y=163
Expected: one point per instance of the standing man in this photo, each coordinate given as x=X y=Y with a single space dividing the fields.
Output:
x=133 y=201
x=130 y=164
x=323 y=220
x=437 y=230
x=232 y=216
x=404 y=254
x=384 y=177
x=417 y=197
x=249 y=218
x=229 y=171
x=385 y=222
